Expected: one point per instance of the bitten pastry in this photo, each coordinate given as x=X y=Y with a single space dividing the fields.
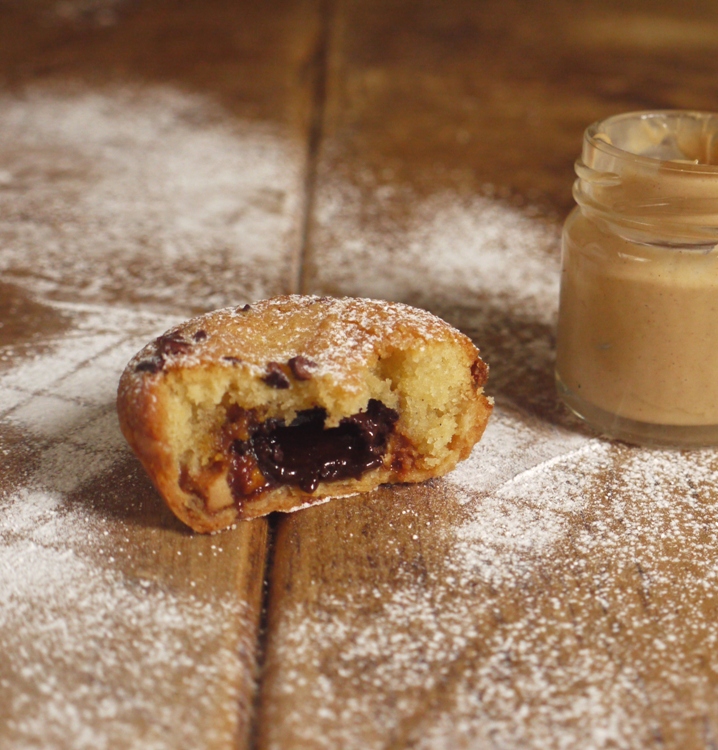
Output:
x=284 y=403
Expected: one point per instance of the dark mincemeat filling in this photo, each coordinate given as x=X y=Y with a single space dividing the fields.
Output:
x=304 y=453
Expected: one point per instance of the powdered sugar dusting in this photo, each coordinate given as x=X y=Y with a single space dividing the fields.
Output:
x=92 y=660
x=571 y=606
x=145 y=194
x=527 y=514
x=102 y=645
x=443 y=252
x=342 y=337
x=513 y=443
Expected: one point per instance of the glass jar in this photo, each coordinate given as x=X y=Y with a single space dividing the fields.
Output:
x=637 y=347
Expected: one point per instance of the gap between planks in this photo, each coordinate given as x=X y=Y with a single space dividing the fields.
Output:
x=319 y=65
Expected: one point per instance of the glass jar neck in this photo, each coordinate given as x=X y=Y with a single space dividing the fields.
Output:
x=652 y=177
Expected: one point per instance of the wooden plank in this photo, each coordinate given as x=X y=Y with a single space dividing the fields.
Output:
x=152 y=164
x=556 y=590
x=155 y=155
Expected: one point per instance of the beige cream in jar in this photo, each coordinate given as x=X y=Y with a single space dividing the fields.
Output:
x=637 y=347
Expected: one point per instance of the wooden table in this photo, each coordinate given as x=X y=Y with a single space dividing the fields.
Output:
x=159 y=158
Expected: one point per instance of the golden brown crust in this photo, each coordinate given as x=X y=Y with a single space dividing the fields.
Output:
x=283 y=356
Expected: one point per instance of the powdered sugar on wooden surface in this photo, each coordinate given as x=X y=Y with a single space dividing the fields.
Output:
x=103 y=646
x=445 y=251
x=571 y=605
x=149 y=195
x=93 y=660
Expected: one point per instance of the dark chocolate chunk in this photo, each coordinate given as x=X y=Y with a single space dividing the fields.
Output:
x=275 y=376
x=244 y=308
x=233 y=360
x=171 y=344
x=150 y=365
x=167 y=346
x=301 y=367
x=200 y=335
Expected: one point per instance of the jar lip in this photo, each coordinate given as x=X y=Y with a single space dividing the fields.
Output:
x=593 y=132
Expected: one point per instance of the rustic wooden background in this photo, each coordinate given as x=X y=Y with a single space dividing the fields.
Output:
x=159 y=158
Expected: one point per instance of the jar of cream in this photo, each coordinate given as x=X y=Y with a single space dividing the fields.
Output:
x=637 y=346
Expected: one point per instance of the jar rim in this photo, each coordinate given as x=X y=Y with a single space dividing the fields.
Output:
x=593 y=132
